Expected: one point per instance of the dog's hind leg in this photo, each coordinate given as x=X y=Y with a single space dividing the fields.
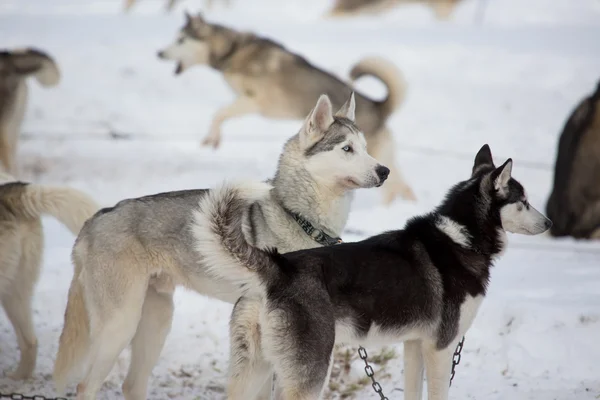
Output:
x=413 y=370
x=299 y=344
x=17 y=300
x=249 y=372
x=381 y=147
x=241 y=106
x=149 y=339
x=7 y=152
x=438 y=364
x=110 y=336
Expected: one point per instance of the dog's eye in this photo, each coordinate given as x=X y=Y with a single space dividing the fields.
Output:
x=347 y=149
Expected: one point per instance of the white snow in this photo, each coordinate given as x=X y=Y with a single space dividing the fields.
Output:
x=510 y=81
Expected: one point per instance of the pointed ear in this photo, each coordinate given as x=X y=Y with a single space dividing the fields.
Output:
x=199 y=17
x=317 y=122
x=483 y=157
x=347 y=110
x=188 y=17
x=503 y=174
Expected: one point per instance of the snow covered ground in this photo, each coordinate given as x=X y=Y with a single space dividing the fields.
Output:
x=510 y=82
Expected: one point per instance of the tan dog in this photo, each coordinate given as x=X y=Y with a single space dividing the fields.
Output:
x=441 y=8
x=21 y=248
x=15 y=67
x=271 y=81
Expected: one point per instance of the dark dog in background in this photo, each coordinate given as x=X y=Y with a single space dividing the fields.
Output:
x=574 y=204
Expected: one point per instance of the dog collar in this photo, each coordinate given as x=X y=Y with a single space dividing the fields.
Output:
x=316 y=234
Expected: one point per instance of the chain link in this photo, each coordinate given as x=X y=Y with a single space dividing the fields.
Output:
x=456 y=358
x=18 y=396
x=362 y=353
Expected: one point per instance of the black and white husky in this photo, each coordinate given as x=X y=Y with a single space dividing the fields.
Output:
x=421 y=285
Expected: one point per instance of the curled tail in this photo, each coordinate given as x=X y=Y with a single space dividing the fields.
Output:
x=390 y=75
x=70 y=206
x=218 y=229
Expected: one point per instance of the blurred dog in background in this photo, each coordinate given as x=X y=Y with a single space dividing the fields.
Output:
x=15 y=67
x=271 y=81
x=574 y=204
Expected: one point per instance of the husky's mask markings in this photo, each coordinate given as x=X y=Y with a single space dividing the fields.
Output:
x=421 y=285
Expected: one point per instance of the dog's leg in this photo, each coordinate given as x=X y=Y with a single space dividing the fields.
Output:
x=413 y=370
x=17 y=299
x=438 y=364
x=7 y=152
x=149 y=339
x=111 y=335
x=248 y=370
x=302 y=362
x=241 y=106
x=128 y=5
x=381 y=147
x=171 y=4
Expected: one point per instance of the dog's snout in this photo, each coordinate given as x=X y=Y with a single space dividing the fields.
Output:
x=161 y=54
x=382 y=172
x=547 y=224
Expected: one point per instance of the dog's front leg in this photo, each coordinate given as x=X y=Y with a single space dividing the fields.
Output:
x=438 y=364
x=413 y=370
x=241 y=106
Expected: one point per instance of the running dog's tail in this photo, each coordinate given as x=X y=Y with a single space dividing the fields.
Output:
x=390 y=75
x=219 y=233
x=27 y=200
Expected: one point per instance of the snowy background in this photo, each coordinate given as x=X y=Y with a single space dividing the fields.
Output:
x=120 y=124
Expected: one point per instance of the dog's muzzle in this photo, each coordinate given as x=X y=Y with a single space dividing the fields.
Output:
x=382 y=173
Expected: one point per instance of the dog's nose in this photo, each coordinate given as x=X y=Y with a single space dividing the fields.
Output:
x=161 y=54
x=382 y=172
x=548 y=224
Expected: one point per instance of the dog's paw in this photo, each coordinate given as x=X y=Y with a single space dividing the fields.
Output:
x=212 y=141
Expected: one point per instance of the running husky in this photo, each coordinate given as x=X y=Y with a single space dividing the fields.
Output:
x=441 y=8
x=130 y=258
x=15 y=67
x=21 y=247
x=574 y=204
x=421 y=285
x=275 y=83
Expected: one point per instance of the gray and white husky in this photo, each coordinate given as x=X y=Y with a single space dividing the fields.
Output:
x=130 y=258
x=15 y=67
x=270 y=80
x=421 y=285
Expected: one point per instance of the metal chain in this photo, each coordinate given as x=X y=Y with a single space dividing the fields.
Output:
x=456 y=358
x=18 y=396
x=362 y=352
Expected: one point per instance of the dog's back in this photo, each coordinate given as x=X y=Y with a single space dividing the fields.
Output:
x=574 y=204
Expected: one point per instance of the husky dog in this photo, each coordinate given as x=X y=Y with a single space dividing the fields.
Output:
x=15 y=67
x=442 y=8
x=130 y=258
x=276 y=83
x=574 y=204
x=21 y=247
x=421 y=285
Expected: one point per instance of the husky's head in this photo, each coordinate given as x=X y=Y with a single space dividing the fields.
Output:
x=30 y=62
x=191 y=46
x=508 y=197
x=333 y=151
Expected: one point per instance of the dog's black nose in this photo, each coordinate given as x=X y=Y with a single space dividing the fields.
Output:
x=548 y=224
x=382 y=172
x=160 y=54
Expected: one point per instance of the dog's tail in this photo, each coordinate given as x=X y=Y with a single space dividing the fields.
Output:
x=70 y=206
x=390 y=75
x=219 y=232
x=73 y=344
